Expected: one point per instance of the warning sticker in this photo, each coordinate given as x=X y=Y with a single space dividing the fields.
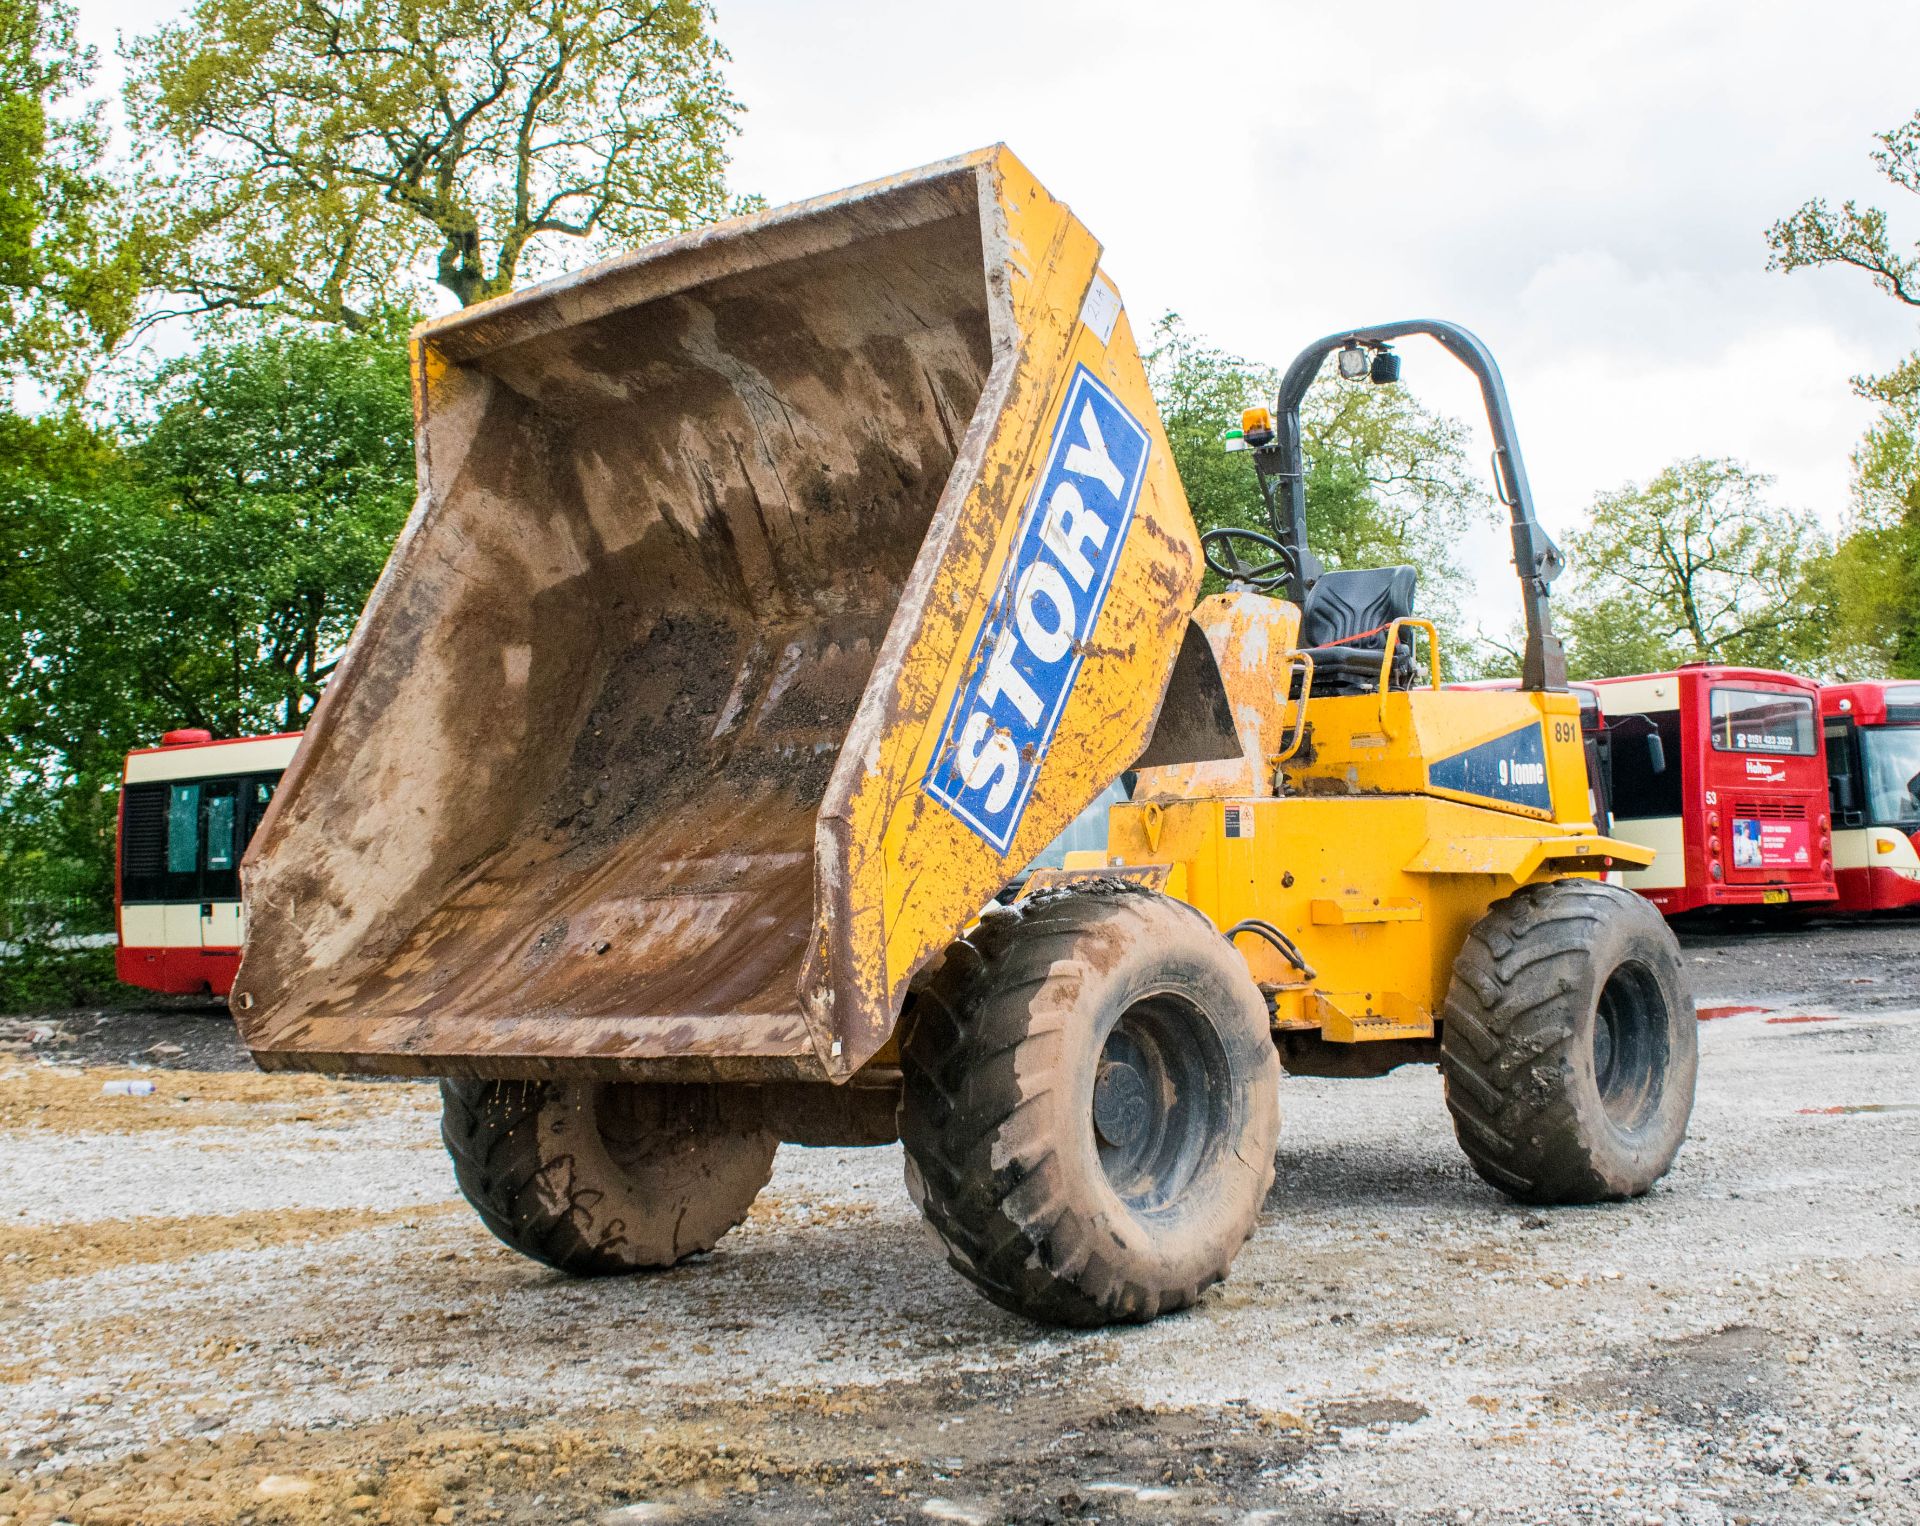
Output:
x=1239 y=820
x=1101 y=310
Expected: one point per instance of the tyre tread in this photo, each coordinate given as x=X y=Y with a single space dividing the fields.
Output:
x=1508 y=1028
x=970 y=1060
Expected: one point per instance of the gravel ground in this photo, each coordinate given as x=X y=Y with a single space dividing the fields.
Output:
x=257 y=1298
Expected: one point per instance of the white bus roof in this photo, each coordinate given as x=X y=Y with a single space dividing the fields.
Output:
x=212 y=760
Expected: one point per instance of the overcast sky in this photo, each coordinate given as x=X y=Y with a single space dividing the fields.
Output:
x=1587 y=187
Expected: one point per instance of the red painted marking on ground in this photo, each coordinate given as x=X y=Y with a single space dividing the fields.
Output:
x=1861 y=1107
x=1708 y=1014
x=1807 y=1017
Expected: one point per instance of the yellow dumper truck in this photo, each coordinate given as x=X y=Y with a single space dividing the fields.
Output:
x=774 y=594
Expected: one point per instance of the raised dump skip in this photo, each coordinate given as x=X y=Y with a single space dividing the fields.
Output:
x=655 y=751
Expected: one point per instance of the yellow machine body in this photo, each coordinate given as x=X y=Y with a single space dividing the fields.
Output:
x=773 y=595
x=1373 y=830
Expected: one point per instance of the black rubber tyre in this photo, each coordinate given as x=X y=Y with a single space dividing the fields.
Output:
x=1091 y=1106
x=1569 y=1045
x=602 y=1178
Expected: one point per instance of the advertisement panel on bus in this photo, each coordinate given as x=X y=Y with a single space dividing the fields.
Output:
x=188 y=808
x=1722 y=771
x=1872 y=736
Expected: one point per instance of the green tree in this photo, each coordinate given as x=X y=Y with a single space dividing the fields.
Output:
x=315 y=158
x=205 y=571
x=1857 y=236
x=67 y=276
x=1693 y=566
x=1872 y=581
x=1873 y=576
x=56 y=818
x=1387 y=479
x=284 y=468
x=1200 y=392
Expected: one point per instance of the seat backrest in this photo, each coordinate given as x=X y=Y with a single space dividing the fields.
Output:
x=1343 y=604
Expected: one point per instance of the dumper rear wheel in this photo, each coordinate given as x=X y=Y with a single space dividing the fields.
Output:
x=1091 y=1106
x=604 y=1178
x=1569 y=1046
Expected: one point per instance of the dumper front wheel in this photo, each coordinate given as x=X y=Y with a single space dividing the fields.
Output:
x=1091 y=1106
x=600 y=1179
x=1569 y=1046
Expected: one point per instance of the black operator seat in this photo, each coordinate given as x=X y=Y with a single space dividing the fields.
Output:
x=1343 y=628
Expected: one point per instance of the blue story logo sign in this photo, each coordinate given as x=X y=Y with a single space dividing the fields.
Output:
x=1028 y=653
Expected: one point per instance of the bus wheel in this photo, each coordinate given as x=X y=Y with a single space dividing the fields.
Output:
x=1569 y=1046
x=603 y=1178
x=1091 y=1106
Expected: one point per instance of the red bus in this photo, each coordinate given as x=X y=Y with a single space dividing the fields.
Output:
x=1873 y=774
x=187 y=811
x=1722 y=772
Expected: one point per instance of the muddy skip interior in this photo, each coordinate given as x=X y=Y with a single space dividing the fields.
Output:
x=660 y=550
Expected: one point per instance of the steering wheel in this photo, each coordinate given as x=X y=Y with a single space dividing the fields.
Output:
x=1217 y=547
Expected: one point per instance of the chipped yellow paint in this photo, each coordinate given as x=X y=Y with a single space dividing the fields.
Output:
x=914 y=873
x=1375 y=873
x=1250 y=637
x=1386 y=742
x=461 y=875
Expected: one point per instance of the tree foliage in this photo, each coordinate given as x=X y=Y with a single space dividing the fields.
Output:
x=67 y=273
x=55 y=830
x=1873 y=576
x=1387 y=479
x=283 y=469
x=1693 y=566
x=204 y=570
x=1854 y=235
x=1871 y=583
x=315 y=158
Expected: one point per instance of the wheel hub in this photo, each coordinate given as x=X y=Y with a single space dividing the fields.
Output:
x=1629 y=1046
x=1122 y=1111
x=1158 y=1094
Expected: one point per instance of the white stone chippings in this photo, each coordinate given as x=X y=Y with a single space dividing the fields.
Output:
x=1449 y=1351
x=78 y=1178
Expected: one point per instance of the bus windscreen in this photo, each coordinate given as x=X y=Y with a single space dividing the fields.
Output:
x=1892 y=755
x=1753 y=720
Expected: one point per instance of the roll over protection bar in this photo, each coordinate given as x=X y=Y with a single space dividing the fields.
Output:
x=1281 y=467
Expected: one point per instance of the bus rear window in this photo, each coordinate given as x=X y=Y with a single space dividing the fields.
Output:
x=183 y=829
x=220 y=831
x=1752 y=720
x=183 y=841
